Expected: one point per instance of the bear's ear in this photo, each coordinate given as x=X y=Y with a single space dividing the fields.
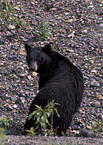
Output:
x=47 y=49
x=27 y=47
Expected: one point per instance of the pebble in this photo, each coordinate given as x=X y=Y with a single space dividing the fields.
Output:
x=14 y=98
x=93 y=111
x=89 y=127
x=86 y=133
x=15 y=106
x=101 y=13
x=95 y=104
x=100 y=116
x=22 y=99
x=94 y=83
x=30 y=78
x=11 y=26
x=23 y=75
x=94 y=71
x=21 y=94
x=76 y=132
x=75 y=127
x=100 y=25
x=9 y=108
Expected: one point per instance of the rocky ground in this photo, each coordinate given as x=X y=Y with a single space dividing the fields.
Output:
x=75 y=29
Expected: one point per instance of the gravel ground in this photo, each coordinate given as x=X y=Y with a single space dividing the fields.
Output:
x=75 y=29
x=22 y=140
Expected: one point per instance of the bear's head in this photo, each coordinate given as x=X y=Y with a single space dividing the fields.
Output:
x=38 y=57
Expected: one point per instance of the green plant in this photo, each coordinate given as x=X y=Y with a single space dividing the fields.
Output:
x=5 y=122
x=42 y=117
x=2 y=135
x=42 y=30
x=32 y=131
x=96 y=127
x=6 y=9
x=7 y=14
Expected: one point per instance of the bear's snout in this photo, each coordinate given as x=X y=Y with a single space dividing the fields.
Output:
x=33 y=66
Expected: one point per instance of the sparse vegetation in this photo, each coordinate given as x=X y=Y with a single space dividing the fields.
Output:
x=96 y=127
x=42 y=30
x=2 y=135
x=7 y=15
x=5 y=123
x=42 y=117
x=6 y=10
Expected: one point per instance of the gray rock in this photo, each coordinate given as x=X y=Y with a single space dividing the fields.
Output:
x=97 y=104
x=22 y=99
x=100 y=25
x=75 y=127
x=85 y=133
x=100 y=116
x=94 y=83
x=14 y=98
x=23 y=75
x=9 y=108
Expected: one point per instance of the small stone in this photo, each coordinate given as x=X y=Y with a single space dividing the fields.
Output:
x=8 y=100
x=80 y=111
x=85 y=31
x=91 y=61
x=93 y=111
x=34 y=74
x=97 y=104
x=17 y=8
x=66 y=13
x=85 y=133
x=91 y=6
x=14 y=98
x=22 y=99
x=9 y=108
x=100 y=116
x=76 y=132
x=69 y=20
x=101 y=13
x=21 y=94
x=11 y=27
x=78 y=122
x=71 y=35
x=100 y=25
x=22 y=51
x=99 y=97
x=23 y=75
x=89 y=127
x=69 y=50
x=94 y=83
x=94 y=71
x=15 y=106
x=75 y=127
x=29 y=77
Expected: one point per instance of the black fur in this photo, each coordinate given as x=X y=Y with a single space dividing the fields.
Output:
x=59 y=80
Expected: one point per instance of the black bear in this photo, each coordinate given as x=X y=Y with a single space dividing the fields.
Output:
x=59 y=80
